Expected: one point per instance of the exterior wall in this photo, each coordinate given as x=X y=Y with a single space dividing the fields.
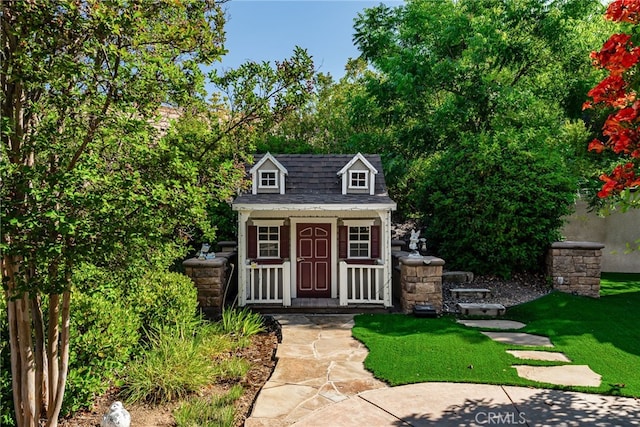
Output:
x=574 y=267
x=615 y=231
x=420 y=282
x=291 y=218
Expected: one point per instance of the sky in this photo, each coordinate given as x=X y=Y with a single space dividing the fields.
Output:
x=268 y=30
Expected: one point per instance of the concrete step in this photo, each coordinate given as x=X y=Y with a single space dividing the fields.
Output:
x=479 y=309
x=470 y=293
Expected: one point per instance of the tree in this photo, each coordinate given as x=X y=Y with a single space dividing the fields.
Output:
x=617 y=92
x=82 y=178
x=452 y=74
x=86 y=178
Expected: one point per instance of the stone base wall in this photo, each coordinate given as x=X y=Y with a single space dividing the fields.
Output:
x=210 y=277
x=420 y=282
x=575 y=267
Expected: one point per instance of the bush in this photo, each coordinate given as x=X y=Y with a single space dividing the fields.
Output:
x=493 y=204
x=163 y=298
x=104 y=336
x=178 y=363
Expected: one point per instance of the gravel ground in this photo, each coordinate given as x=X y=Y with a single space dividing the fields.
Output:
x=509 y=292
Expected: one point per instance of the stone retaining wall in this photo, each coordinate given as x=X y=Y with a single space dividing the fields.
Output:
x=420 y=282
x=210 y=277
x=574 y=267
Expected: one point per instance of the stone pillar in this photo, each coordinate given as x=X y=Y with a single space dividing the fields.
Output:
x=574 y=267
x=210 y=278
x=420 y=282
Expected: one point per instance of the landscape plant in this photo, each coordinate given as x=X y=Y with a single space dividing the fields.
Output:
x=214 y=412
x=87 y=177
x=617 y=94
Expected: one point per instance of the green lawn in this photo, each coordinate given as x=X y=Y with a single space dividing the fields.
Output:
x=602 y=333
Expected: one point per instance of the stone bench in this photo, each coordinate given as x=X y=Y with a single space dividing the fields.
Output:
x=478 y=309
x=470 y=292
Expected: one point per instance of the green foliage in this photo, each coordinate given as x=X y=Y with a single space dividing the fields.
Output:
x=241 y=322
x=494 y=204
x=162 y=299
x=105 y=336
x=178 y=363
x=215 y=412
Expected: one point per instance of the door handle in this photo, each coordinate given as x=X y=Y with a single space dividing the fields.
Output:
x=300 y=259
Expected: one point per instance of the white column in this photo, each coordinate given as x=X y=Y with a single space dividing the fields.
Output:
x=385 y=217
x=243 y=216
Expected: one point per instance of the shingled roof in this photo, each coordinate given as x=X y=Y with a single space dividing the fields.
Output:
x=314 y=179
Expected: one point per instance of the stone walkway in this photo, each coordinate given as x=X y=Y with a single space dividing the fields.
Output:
x=319 y=363
x=320 y=380
x=570 y=375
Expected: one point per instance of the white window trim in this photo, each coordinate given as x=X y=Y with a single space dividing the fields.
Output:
x=368 y=241
x=358 y=222
x=275 y=178
x=267 y=222
x=258 y=241
x=366 y=179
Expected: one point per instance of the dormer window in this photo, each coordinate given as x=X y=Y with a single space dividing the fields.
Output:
x=268 y=179
x=358 y=176
x=359 y=179
x=268 y=176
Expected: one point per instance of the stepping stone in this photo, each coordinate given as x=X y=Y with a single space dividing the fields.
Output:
x=539 y=355
x=457 y=276
x=571 y=375
x=470 y=292
x=492 y=324
x=519 y=338
x=471 y=309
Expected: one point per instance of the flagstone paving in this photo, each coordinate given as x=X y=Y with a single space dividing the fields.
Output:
x=519 y=338
x=569 y=375
x=319 y=363
x=548 y=356
x=492 y=324
x=320 y=380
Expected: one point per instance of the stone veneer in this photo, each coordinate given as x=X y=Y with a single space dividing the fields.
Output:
x=420 y=282
x=210 y=277
x=574 y=267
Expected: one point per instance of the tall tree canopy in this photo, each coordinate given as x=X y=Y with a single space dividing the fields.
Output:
x=85 y=175
x=465 y=94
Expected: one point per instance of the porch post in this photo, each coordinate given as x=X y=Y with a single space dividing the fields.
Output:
x=286 y=284
x=243 y=216
x=385 y=217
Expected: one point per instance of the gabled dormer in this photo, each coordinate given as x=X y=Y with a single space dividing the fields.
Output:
x=358 y=176
x=268 y=176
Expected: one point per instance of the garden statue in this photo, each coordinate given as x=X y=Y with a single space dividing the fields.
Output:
x=204 y=252
x=116 y=417
x=413 y=243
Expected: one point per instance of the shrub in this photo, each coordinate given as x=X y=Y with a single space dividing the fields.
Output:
x=493 y=204
x=164 y=298
x=178 y=362
x=104 y=335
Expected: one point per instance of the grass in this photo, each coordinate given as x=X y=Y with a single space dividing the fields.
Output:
x=602 y=333
x=218 y=411
x=182 y=360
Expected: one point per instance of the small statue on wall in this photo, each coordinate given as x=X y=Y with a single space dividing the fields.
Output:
x=413 y=243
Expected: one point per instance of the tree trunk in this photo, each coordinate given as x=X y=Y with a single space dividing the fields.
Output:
x=39 y=366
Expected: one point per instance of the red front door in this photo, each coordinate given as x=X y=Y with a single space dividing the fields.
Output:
x=314 y=260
